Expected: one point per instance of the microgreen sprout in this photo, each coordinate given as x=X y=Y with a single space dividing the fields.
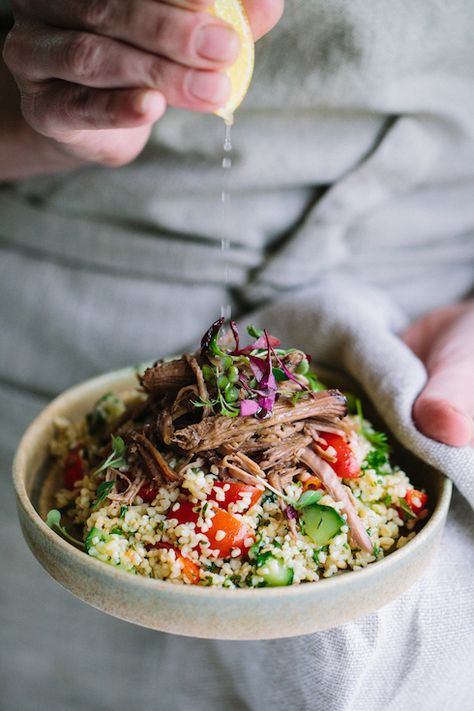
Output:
x=116 y=459
x=306 y=499
x=53 y=520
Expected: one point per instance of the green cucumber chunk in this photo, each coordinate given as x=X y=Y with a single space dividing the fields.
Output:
x=321 y=523
x=275 y=572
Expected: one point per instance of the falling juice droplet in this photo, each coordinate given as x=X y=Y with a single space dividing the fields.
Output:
x=227 y=161
x=226 y=309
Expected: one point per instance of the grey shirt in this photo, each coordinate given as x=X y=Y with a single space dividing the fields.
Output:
x=353 y=165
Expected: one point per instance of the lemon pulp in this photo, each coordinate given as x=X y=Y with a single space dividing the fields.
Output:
x=240 y=73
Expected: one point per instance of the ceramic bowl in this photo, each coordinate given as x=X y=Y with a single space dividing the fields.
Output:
x=262 y=613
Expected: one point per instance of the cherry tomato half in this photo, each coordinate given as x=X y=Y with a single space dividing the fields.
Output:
x=346 y=466
x=231 y=494
x=226 y=532
x=148 y=491
x=74 y=468
x=416 y=500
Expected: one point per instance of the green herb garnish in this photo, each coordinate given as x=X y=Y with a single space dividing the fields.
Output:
x=53 y=520
x=406 y=509
x=262 y=558
x=123 y=511
x=254 y=332
x=309 y=497
x=107 y=409
x=314 y=383
x=279 y=375
x=116 y=459
x=375 y=459
x=103 y=490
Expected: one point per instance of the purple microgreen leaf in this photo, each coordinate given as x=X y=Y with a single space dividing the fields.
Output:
x=235 y=331
x=248 y=408
x=258 y=367
x=288 y=373
x=266 y=341
x=291 y=514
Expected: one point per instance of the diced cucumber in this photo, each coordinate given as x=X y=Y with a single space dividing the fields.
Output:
x=106 y=410
x=275 y=572
x=93 y=533
x=321 y=523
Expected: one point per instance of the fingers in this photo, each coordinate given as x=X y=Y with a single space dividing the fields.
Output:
x=93 y=61
x=85 y=61
x=442 y=415
x=263 y=15
x=444 y=341
x=63 y=108
x=194 y=39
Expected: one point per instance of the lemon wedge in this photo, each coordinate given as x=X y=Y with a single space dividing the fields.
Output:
x=240 y=73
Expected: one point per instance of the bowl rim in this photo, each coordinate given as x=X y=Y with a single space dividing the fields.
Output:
x=87 y=387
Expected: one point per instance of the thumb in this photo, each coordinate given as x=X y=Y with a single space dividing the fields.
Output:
x=444 y=340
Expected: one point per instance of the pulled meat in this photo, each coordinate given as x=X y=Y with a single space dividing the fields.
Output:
x=166 y=376
x=214 y=431
x=154 y=461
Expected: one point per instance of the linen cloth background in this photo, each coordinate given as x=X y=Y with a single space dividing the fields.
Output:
x=351 y=214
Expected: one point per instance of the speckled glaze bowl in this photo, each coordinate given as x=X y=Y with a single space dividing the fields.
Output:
x=262 y=613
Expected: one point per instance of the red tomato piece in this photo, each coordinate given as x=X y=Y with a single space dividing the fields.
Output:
x=189 y=567
x=231 y=491
x=416 y=500
x=148 y=491
x=346 y=466
x=235 y=531
x=185 y=513
x=74 y=468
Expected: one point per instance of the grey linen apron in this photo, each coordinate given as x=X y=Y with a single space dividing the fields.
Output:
x=351 y=214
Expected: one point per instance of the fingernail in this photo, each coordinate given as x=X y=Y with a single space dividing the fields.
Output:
x=146 y=101
x=217 y=43
x=209 y=86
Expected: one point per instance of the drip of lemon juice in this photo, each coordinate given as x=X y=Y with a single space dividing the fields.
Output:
x=226 y=309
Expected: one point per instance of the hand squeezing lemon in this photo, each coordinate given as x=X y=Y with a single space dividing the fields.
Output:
x=240 y=73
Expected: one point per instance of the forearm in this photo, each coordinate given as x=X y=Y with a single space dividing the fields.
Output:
x=23 y=151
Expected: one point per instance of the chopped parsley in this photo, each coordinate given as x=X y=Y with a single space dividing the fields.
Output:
x=406 y=509
x=103 y=490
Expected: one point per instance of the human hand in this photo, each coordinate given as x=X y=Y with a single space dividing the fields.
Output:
x=94 y=75
x=444 y=341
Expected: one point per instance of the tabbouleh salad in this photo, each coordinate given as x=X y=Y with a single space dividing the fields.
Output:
x=231 y=467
